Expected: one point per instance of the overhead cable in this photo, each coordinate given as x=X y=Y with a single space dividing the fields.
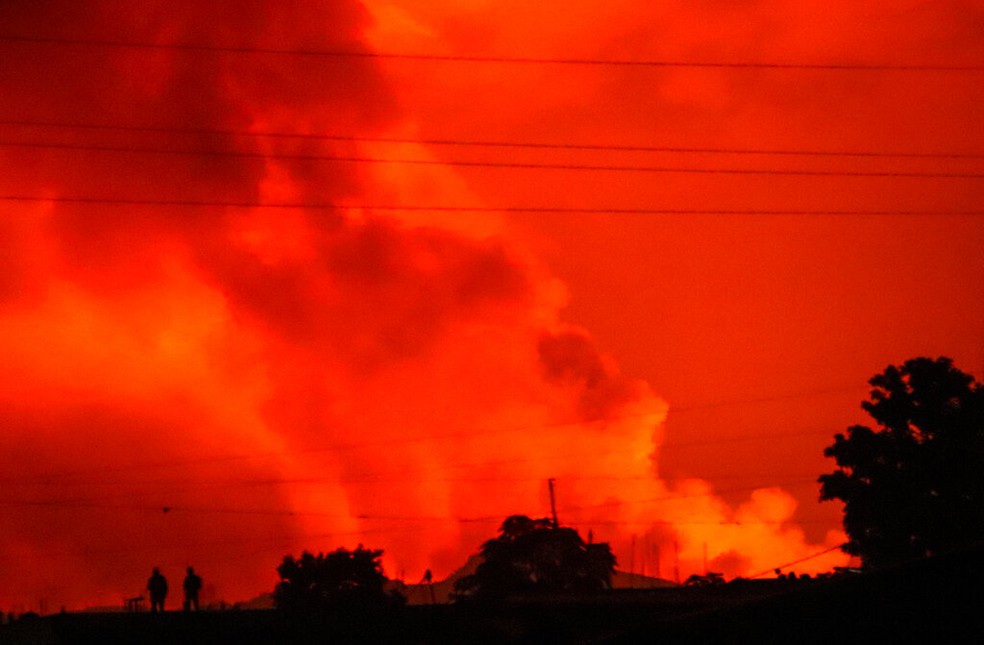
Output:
x=488 y=59
x=512 y=165
x=488 y=143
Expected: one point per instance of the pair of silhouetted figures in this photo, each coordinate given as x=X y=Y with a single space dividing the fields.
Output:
x=157 y=587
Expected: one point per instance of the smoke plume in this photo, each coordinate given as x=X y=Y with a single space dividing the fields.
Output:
x=223 y=381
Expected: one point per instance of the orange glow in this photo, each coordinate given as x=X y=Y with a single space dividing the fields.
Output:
x=284 y=378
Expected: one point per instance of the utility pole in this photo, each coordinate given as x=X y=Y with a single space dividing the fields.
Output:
x=632 y=551
x=553 y=503
x=676 y=561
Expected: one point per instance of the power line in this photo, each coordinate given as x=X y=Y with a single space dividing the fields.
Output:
x=513 y=60
x=496 y=144
x=101 y=503
x=275 y=541
x=673 y=498
x=699 y=523
x=194 y=203
x=763 y=399
x=183 y=484
x=58 y=479
x=741 y=438
x=81 y=503
x=75 y=505
x=510 y=165
x=467 y=434
x=806 y=559
x=105 y=503
x=47 y=479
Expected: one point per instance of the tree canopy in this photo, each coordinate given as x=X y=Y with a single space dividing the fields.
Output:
x=914 y=485
x=342 y=577
x=532 y=556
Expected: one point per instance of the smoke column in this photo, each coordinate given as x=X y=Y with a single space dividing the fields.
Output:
x=223 y=384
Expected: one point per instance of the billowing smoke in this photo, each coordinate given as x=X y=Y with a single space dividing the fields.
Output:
x=219 y=385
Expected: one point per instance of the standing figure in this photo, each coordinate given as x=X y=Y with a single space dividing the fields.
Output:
x=192 y=585
x=157 y=586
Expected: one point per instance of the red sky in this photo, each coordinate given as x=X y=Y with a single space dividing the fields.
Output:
x=307 y=378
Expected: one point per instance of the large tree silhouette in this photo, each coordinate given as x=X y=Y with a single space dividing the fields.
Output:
x=341 y=578
x=914 y=485
x=536 y=556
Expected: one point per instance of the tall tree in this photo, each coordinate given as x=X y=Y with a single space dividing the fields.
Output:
x=536 y=556
x=914 y=485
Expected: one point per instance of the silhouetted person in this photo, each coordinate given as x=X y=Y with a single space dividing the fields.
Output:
x=157 y=586
x=192 y=585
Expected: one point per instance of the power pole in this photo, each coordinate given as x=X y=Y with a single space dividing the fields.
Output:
x=632 y=550
x=676 y=561
x=553 y=503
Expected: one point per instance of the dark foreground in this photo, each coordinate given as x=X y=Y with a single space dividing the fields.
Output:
x=940 y=600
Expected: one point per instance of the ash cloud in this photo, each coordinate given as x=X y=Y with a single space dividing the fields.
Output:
x=278 y=379
x=215 y=386
x=570 y=358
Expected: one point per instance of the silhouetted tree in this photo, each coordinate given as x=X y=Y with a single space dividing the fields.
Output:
x=535 y=556
x=323 y=581
x=914 y=486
